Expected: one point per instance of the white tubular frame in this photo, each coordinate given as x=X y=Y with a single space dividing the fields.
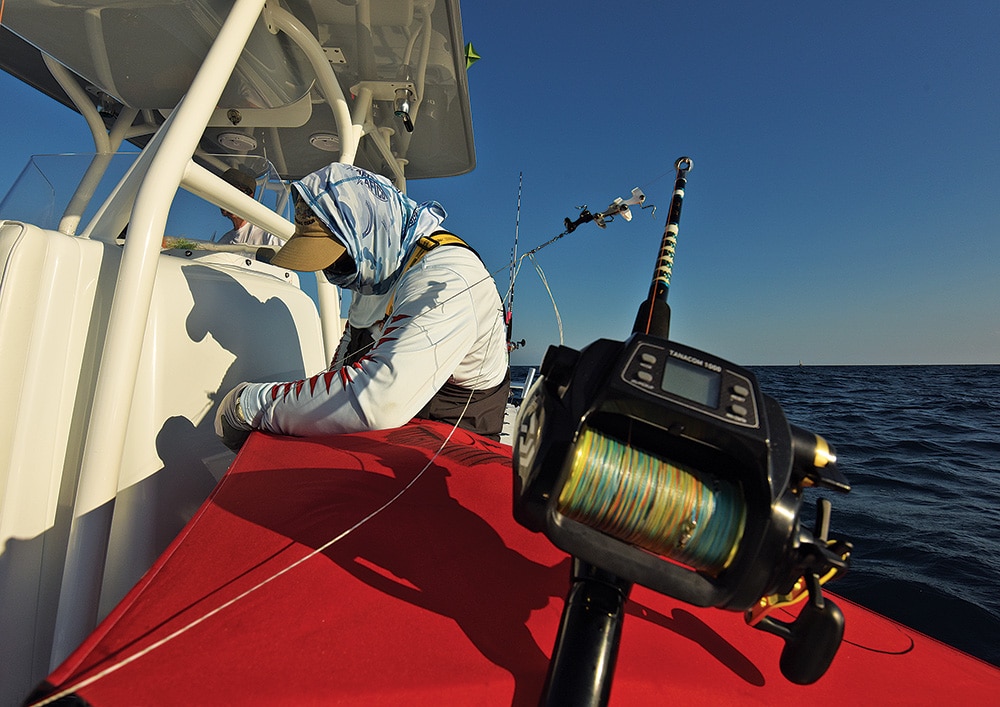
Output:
x=151 y=182
x=200 y=182
x=95 y=172
x=281 y=20
x=105 y=145
x=105 y=440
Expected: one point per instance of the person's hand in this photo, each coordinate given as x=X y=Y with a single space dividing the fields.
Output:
x=230 y=425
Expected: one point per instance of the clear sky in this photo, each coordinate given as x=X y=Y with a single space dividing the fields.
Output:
x=844 y=205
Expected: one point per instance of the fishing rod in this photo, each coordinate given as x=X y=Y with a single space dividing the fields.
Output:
x=654 y=314
x=594 y=612
x=651 y=462
x=511 y=344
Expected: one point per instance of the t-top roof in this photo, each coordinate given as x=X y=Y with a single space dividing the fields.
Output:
x=386 y=55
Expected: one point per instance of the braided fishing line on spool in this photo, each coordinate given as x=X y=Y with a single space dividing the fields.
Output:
x=661 y=507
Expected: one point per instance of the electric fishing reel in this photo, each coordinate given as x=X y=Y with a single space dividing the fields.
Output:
x=667 y=466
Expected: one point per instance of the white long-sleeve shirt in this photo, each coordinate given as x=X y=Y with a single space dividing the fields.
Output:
x=446 y=325
x=250 y=234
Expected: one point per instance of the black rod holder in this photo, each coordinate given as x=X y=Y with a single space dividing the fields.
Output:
x=586 y=648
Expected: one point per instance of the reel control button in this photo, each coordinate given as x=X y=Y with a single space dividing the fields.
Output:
x=740 y=390
x=738 y=410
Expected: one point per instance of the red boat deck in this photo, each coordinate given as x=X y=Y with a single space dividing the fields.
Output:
x=415 y=585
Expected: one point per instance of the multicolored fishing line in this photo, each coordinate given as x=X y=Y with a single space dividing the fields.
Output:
x=645 y=501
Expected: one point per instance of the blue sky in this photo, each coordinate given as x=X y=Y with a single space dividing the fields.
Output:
x=843 y=206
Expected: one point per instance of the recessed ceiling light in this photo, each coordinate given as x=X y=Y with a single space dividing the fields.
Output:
x=326 y=142
x=238 y=142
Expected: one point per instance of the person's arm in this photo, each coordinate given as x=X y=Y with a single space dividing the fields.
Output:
x=432 y=327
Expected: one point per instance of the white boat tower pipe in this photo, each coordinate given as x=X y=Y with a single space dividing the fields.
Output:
x=105 y=145
x=169 y=166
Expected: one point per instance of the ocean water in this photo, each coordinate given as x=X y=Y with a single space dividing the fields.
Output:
x=920 y=446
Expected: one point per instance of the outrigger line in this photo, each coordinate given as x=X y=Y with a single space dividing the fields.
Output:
x=617 y=207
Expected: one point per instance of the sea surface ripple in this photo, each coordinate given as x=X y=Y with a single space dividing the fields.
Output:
x=920 y=446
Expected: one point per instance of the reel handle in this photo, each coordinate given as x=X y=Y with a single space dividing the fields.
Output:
x=812 y=640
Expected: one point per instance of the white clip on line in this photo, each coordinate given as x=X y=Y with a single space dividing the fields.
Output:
x=621 y=206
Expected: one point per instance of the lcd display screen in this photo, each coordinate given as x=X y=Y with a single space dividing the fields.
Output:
x=692 y=382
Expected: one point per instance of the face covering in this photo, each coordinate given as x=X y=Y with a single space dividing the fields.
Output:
x=376 y=223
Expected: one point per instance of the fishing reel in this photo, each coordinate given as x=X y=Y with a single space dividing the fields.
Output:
x=668 y=467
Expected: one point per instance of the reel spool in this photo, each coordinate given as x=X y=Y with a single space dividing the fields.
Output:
x=668 y=467
x=648 y=502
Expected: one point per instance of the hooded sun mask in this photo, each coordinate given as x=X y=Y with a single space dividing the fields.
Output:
x=362 y=213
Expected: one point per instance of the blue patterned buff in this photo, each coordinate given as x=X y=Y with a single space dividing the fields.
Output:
x=376 y=222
